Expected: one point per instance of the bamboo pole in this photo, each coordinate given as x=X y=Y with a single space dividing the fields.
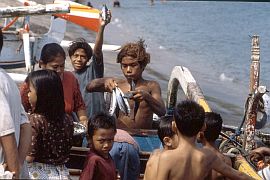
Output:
x=34 y=10
x=255 y=93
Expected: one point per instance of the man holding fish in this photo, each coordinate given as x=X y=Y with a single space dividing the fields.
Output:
x=144 y=96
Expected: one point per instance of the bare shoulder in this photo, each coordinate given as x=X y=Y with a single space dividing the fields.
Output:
x=207 y=155
x=155 y=155
x=169 y=155
x=152 y=84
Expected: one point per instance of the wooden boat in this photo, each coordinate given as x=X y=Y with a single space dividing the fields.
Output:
x=182 y=76
x=22 y=48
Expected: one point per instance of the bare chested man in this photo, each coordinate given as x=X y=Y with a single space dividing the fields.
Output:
x=187 y=161
x=169 y=141
x=147 y=94
x=213 y=123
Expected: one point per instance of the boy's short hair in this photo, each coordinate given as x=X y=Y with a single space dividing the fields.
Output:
x=189 y=118
x=80 y=44
x=165 y=128
x=213 y=126
x=135 y=50
x=100 y=120
x=1 y=40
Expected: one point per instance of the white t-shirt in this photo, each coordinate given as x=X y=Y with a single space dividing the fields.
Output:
x=12 y=114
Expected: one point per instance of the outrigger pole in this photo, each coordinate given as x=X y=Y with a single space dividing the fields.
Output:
x=38 y=9
x=255 y=96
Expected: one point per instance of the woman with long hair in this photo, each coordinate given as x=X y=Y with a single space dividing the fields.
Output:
x=52 y=128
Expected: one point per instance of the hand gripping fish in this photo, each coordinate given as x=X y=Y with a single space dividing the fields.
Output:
x=122 y=102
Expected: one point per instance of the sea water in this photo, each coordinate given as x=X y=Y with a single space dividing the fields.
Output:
x=212 y=39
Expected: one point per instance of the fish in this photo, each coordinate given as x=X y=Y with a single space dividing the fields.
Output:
x=79 y=129
x=113 y=103
x=104 y=12
x=122 y=102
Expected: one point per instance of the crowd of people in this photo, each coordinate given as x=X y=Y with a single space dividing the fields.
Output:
x=37 y=145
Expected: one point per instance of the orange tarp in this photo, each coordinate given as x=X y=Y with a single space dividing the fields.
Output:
x=82 y=15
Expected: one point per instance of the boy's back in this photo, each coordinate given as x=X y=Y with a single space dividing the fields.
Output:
x=152 y=165
x=186 y=162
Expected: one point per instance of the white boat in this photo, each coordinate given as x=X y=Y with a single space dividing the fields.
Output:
x=23 y=49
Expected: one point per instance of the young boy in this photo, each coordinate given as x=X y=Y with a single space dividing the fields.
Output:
x=80 y=52
x=99 y=164
x=213 y=123
x=146 y=98
x=187 y=161
x=169 y=141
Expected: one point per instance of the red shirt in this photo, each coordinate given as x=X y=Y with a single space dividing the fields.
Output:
x=97 y=167
x=72 y=94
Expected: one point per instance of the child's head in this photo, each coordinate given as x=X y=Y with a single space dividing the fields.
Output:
x=165 y=133
x=46 y=94
x=80 y=52
x=213 y=126
x=101 y=131
x=133 y=59
x=53 y=57
x=189 y=118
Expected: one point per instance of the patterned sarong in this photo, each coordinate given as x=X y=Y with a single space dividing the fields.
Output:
x=47 y=171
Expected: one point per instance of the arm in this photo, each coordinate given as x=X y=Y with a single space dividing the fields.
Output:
x=79 y=105
x=35 y=124
x=25 y=141
x=102 y=85
x=99 y=39
x=262 y=150
x=11 y=153
x=88 y=170
x=164 y=167
x=228 y=171
x=154 y=99
x=82 y=117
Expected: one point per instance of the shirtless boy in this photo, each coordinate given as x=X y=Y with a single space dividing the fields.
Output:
x=213 y=123
x=169 y=141
x=146 y=98
x=187 y=161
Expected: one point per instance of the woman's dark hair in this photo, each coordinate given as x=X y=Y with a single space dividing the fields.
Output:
x=100 y=120
x=189 y=117
x=135 y=50
x=50 y=51
x=80 y=44
x=165 y=127
x=213 y=126
x=50 y=94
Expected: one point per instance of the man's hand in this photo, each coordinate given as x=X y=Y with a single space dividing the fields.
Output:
x=103 y=23
x=110 y=85
x=140 y=95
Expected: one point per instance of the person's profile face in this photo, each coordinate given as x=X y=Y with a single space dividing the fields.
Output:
x=32 y=96
x=131 y=68
x=79 y=59
x=102 y=141
x=57 y=64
